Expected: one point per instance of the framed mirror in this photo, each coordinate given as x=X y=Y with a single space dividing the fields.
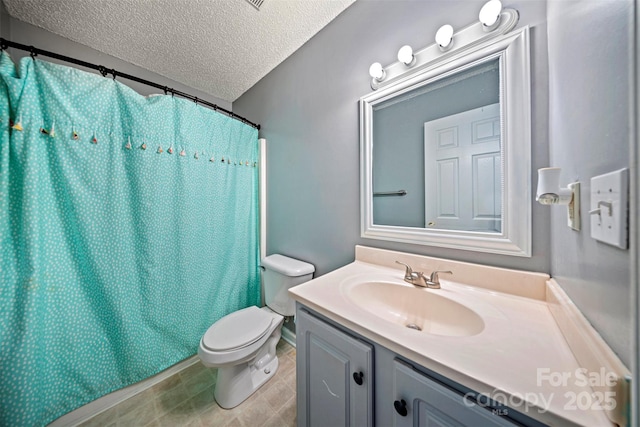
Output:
x=446 y=151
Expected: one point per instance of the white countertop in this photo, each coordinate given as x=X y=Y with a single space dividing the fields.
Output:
x=508 y=360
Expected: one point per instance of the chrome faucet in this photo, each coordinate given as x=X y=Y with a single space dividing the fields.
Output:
x=414 y=277
x=418 y=278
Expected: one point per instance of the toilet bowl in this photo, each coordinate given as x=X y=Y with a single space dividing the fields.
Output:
x=242 y=345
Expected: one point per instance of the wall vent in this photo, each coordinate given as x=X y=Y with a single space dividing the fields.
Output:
x=256 y=3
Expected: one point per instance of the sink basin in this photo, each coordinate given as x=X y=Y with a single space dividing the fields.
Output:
x=415 y=308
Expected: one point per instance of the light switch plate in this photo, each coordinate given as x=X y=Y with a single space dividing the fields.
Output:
x=609 y=208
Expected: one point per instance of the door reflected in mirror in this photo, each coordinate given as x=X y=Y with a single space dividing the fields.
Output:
x=437 y=154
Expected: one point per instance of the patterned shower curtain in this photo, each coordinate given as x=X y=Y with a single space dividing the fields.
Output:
x=128 y=225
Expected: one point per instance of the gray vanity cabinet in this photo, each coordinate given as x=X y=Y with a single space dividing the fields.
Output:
x=420 y=401
x=334 y=375
x=341 y=383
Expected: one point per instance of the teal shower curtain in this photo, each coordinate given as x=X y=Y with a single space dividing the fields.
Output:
x=128 y=225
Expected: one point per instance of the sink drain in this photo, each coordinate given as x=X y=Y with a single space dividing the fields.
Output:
x=414 y=326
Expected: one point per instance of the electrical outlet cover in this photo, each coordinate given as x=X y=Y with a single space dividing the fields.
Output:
x=609 y=208
x=573 y=208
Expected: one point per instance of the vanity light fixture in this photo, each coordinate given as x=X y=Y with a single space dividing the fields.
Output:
x=490 y=15
x=550 y=193
x=494 y=21
x=444 y=37
x=405 y=55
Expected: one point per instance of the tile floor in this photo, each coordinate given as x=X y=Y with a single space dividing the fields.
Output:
x=186 y=399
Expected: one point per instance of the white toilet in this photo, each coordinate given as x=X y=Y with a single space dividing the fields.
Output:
x=242 y=345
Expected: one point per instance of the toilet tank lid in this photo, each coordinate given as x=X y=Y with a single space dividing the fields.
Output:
x=287 y=266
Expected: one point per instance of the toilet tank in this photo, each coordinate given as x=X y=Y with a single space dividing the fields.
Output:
x=280 y=274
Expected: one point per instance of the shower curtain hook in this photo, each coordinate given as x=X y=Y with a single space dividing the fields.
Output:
x=114 y=72
x=102 y=70
x=33 y=53
x=3 y=44
x=195 y=100
x=166 y=89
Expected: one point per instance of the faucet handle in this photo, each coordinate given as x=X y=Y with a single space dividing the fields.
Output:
x=408 y=274
x=434 y=276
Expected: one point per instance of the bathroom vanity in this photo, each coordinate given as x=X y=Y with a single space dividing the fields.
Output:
x=492 y=347
x=337 y=377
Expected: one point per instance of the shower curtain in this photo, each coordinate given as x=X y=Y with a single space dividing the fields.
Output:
x=128 y=225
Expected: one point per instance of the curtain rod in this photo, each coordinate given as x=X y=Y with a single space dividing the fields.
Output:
x=4 y=44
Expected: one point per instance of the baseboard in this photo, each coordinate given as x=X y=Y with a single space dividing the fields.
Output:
x=110 y=400
x=289 y=336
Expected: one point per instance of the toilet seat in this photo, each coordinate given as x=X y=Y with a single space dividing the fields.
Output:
x=238 y=329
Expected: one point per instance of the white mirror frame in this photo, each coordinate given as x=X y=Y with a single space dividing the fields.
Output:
x=515 y=110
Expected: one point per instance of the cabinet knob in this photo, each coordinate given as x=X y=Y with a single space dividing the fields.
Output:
x=357 y=377
x=401 y=407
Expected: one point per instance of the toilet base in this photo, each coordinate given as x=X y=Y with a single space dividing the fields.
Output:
x=236 y=383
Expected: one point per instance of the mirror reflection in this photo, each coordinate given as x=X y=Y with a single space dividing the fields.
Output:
x=437 y=153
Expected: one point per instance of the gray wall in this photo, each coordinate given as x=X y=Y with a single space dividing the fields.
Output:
x=308 y=107
x=309 y=110
x=589 y=134
x=20 y=32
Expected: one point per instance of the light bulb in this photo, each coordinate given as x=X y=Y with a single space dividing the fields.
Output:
x=405 y=55
x=444 y=37
x=376 y=71
x=490 y=15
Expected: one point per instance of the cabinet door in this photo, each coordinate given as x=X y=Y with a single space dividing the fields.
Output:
x=334 y=376
x=420 y=401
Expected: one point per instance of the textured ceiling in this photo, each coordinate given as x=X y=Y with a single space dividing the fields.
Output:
x=221 y=47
